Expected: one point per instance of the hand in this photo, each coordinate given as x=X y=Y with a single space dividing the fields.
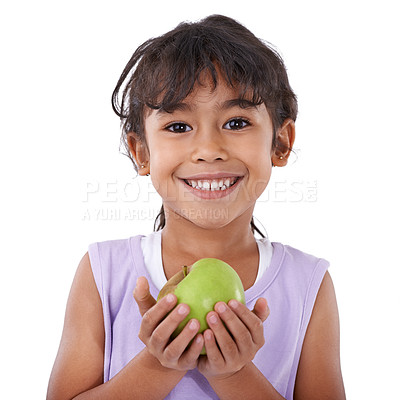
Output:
x=160 y=319
x=231 y=346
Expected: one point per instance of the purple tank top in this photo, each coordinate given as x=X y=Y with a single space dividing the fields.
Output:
x=290 y=286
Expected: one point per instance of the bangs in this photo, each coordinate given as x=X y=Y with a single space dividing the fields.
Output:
x=197 y=60
x=163 y=71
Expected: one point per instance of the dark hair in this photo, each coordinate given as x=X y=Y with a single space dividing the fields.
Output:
x=164 y=70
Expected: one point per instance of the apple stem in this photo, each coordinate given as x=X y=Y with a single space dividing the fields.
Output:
x=184 y=270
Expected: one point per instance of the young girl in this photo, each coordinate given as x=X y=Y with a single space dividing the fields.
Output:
x=207 y=111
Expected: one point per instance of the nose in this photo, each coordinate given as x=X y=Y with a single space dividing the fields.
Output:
x=209 y=146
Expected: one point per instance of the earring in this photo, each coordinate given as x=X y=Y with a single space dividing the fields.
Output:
x=280 y=157
x=143 y=166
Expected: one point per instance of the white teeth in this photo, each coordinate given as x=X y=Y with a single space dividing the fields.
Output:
x=220 y=184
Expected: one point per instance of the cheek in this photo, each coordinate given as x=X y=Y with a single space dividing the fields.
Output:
x=161 y=168
x=260 y=169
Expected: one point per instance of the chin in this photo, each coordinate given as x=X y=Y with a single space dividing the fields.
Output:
x=210 y=225
x=207 y=218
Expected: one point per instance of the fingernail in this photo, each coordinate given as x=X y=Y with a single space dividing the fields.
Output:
x=170 y=298
x=198 y=339
x=182 y=310
x=208 y=335
x=233 y=303
x=220 y=307
x=193 y=325
x=213 y=319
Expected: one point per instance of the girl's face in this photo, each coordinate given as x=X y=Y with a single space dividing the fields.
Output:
x=210 y=159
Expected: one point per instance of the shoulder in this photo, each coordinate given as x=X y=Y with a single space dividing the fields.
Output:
x=300 y=276
x=114 y=246
x=120 y=253
x=299 y=257
x=116 y=265
x=304 y=270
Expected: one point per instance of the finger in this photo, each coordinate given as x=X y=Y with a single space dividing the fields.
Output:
x=238 y=336
x=180 y=347
x=142 y=295
x=224 y=339
x=153 y=317
x=261 y=309
x=214 y=355
x=195 y=349
x=253 y=323
x=162 y=333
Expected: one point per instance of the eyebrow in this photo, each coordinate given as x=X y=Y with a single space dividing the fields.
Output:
x=174 y=107
x=239 y=102
x=232 y=103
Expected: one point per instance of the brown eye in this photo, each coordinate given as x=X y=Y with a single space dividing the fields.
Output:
x=236 y=124
x=178 y=127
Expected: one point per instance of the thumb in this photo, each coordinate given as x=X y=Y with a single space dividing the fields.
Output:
x=261 y=309
x=142 y=295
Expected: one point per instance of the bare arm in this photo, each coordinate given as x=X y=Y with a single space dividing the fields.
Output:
x=319 y=374
x=78 y=369
x=79 y=362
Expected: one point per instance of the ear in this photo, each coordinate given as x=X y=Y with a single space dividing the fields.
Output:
x=139 y=152
x=284 y=143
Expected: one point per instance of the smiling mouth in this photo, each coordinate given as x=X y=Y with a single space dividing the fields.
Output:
x=212 y=185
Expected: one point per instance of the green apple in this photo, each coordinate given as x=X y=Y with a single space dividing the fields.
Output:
x=201 y=286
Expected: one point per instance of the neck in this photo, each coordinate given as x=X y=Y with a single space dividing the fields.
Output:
x=181 y=236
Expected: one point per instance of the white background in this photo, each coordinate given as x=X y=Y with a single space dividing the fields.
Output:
x=59 y=139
